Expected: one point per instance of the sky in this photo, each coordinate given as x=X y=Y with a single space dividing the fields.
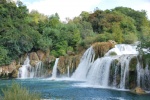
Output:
x=72 y=8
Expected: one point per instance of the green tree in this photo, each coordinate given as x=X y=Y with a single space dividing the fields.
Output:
x=117 y=33
x=4 y=59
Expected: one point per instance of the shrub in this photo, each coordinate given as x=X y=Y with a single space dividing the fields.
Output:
x=130 y=38
x=17 y=92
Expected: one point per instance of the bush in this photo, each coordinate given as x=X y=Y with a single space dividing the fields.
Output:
x=16 y=92
x=103 y=37
x=130 y=38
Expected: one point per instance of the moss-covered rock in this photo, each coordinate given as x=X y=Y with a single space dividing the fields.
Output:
x=132 y=64
x=68 y=61
x=101 y=48
x=132 y=79
x=114 y=74
x=112 y=53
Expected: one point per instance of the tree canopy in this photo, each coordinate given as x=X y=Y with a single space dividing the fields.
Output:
x=22 y=32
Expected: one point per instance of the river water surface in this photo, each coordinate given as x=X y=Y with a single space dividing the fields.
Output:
x=65 y=89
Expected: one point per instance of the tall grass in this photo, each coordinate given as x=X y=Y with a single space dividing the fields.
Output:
x=17 y=92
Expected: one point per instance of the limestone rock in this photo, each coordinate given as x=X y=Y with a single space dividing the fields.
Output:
x=70 y=53
x=33 y=63
x=14 y=73
x=41 y=55
x=12 y=66
x=138 y=90
x=34 y=56
x=68 y=61
x=22 y=59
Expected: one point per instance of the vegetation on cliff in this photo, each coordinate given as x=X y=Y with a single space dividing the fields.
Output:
x=22 y=32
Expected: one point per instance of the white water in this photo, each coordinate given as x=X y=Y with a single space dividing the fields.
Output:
x=85 y=64
x=123 y=49
x=125 y=60
x=54 y=72
x=23 y=71
x=97 y=72
x=37 y=71
x=68 y=73
x=143 y=79
x=27 y=71
x=138 y=74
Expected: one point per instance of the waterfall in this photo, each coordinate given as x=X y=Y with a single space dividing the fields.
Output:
x=138 y=74
x=113 y=71
x=54 y=72
x=115 y=75
x=84 y=66
x=143 y=79
x=23 y=71
x=27 y=71
x=37 y=71
x=125 y=60
x=123 y=49
x=68 y=72
x=99 y=72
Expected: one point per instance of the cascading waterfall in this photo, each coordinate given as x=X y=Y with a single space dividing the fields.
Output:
x=112 y=71
x=27 y=71
x=23 y=71
x=138 y=73
x=101 y=65
x=37 y=71
x=125 y=60
x=54 y=72
x=115 y=75
x=85 y=64
x=143 y=79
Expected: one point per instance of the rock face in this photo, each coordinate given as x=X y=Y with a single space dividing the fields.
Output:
x=68 y=63
x=14 y=73
x=33 y=58
x=11 y=71
x=5 y=71
x=41 y=55
x=101 y=48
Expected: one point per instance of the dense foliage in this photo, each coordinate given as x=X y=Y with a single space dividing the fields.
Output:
x=22 y=32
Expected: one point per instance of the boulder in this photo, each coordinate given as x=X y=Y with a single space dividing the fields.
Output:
x=138 y=90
